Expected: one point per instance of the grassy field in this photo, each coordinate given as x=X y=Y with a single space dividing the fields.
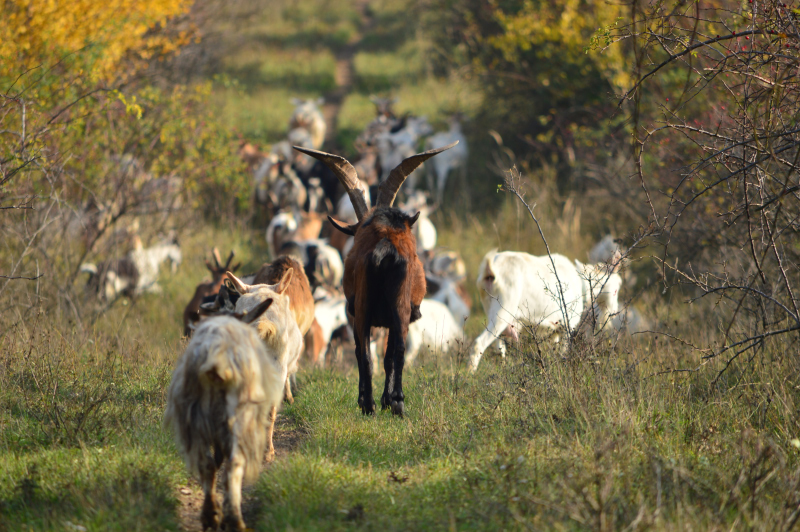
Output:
x=597 y=440
x=628 y=433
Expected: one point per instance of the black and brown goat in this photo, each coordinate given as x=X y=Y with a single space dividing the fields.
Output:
x=384 y=281
x=191 y=314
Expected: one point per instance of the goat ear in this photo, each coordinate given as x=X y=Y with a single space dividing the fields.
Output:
x=253 y=315
x=346 y=229
x=413 y=219
x=284 y=282
x=238 y=285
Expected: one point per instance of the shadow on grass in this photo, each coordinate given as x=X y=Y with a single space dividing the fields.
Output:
x=315 y=39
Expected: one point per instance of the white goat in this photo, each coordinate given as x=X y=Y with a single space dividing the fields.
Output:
x=604 y=250
x=277 y=327
x=449 y=292
x=393 y=148
x=222 y=401
x=322 y=262
x=454 y=159
x=148 y=261
x=133 y=275
x=308 y=116
x=424 y=230
x=330 y=313
x=518 y=287
x=436 y=329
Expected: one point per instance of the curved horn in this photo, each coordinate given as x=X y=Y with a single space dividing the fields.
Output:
x=389 y=188
x=228 y=262
x=347 y=175
x=217 y=259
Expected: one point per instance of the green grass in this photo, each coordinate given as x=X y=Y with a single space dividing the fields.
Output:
x=601 y=438
x=597 y=440
x=527 y=444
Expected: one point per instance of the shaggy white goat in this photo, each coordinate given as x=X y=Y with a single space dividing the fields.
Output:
x=221 y=403
x=436 y=329
x=276 y=327
x=518 y=287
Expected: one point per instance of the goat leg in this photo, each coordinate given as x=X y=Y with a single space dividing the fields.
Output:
x=233 y=495
x=287 y=395
x=389 y=368
x=273 y=415
x=365 y=400
x=397 y=336
x=211 y=513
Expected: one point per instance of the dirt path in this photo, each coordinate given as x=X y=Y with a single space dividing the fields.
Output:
x=287 y=438
x=343 y=75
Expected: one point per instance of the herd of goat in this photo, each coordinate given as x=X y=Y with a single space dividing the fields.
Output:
x=377 y=268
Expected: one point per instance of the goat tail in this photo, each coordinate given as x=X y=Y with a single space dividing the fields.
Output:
x=89 y=268
x=384 y=249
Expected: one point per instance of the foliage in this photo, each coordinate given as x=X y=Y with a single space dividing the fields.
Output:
x=544 y=93
x=718 y=158
x=104 y=40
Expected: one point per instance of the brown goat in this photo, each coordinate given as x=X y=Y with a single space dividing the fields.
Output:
x=301 y=301
x=384 y=281
x=191 y=314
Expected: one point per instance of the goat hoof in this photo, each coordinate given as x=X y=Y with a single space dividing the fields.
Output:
x=234 y=524
x=398 y=408
x=368 y=409
x=211 y=515
x=269 y=456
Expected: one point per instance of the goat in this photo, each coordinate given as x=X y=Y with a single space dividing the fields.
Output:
x=384 y=281
x=450 y=293
x=221 y=404
x=250 y=155
x=308 y=116
x=321 y=262
x=133 y=275
x=330 y=315
x=385 y=121
x=443 y=263
x=604 y=250
x=519 y=287
x=454 y=160
x=384 y=107
x=393 y=148
x=424 y=230
x=437 y=329
x=286 y=226
x=298 y=292
x=191 y=314
x=277 y=328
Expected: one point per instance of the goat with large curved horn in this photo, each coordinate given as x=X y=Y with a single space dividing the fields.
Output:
x=384 y=281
